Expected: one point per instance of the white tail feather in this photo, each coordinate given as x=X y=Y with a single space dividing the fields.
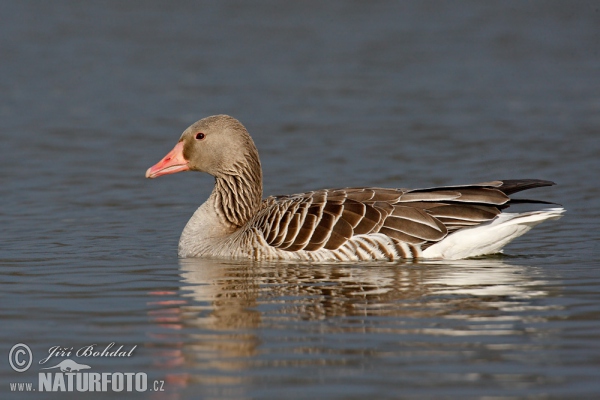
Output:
x=491 y=237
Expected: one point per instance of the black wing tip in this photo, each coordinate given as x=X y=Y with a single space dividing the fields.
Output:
x=510 y=186
x=541 y=182
x=532 y=201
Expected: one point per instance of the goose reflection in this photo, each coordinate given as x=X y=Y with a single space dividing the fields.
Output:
x=242 y=295
x=234 y=316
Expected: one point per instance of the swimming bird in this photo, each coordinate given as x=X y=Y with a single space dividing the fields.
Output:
x=348 y=224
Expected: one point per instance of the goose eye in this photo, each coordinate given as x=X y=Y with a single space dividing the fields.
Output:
x=200 y=136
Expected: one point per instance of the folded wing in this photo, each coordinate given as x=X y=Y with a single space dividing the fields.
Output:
x=326 y=219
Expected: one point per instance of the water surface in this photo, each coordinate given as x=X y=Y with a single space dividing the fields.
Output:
x=410 y=94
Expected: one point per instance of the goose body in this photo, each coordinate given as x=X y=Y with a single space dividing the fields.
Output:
x=346 y=224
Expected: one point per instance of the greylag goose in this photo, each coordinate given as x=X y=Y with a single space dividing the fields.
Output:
x=367 y=223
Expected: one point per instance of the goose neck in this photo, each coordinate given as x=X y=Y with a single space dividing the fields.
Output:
x=238 y=196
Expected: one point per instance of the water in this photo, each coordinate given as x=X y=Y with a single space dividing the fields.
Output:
x=409 y=94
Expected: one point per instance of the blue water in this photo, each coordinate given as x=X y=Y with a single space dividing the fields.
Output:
x=397 y=94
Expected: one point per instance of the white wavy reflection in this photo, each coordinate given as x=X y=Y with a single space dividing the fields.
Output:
x=377 y=283
x=237 y=317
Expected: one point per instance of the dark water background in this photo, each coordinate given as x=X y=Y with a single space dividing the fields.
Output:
x=399 y=94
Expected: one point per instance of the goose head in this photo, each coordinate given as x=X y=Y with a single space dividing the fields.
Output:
x=219 y=145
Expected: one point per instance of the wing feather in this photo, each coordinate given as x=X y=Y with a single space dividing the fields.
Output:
x=442 y=195
x=328 y=219
x=386 y=195
x=368 y=222
x=274 y=222
x=353 y=212
x=465 y=213
x=284 y=224
x=304 y=233
x=341 y=232
x=417 y=215
x=361 y=195
x=483 y=195
x=333 y=208
x=321 y=232
x=415 y=229
x=292 y=231
x=401 y=236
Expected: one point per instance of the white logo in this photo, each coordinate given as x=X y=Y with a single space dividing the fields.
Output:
x=20 y=357
x=66 y=376
x=69 y=366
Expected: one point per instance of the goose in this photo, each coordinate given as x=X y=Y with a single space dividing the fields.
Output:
x=347 y=224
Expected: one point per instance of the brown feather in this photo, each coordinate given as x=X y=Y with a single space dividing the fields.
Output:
x=414 y=229
x=386 y=195
x=341 y=232
x=422 y=205
x=304 y=233
x=454 y=222
x=359 y=194
x=337 y=196
x=321 y=232
x=384 y=208
x=482 y=195
x=274 y=223
x=292 y=231
x=333 y=208
x=442 y=195
x=401 y=236
x=318 y=197
x=462 y=212
x=282 y=230
x=315 y=209
x=353 y=212
x=414 y=214
x=368 y=222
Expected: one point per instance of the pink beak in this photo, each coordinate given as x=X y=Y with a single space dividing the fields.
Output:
x=170 y=164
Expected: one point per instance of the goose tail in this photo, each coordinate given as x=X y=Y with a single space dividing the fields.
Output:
x=490 y=237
